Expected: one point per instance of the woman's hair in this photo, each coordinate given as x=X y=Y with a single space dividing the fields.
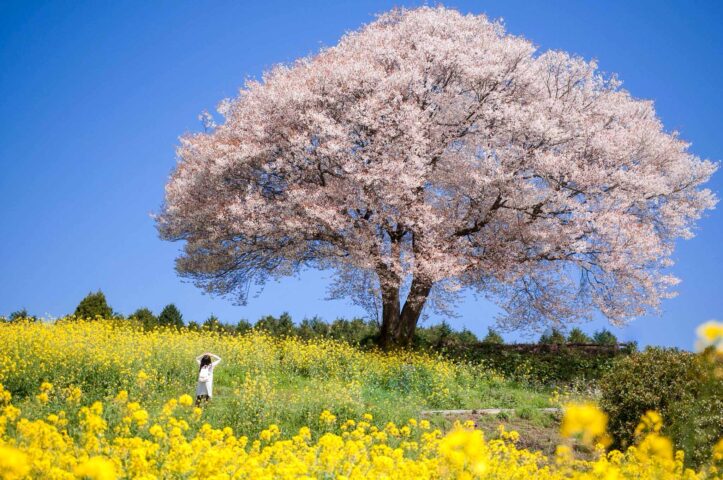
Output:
x=205 y=360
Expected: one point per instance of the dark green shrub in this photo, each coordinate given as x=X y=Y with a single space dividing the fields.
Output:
x=433 y=336
x=145 y=317
x=443 y=336
x=493 y=337
x=503 y=416
x=696 y=426
x=242 y=326
x=605 y=337
x=555 y=336
x=213 y=324
x=578 y=336
x=353 y=331
x=313 y=328
x=92 y=306
x=170 y=316
x=281 y=326
x=541 y=365
x=21 y=314
x=466 y=336
x=681 y=386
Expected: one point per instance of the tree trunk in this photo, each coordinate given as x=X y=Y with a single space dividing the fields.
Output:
x=398 y=327
x=412 y=310
x=390 y=317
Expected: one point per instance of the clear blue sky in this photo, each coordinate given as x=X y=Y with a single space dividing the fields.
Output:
x=93 y=96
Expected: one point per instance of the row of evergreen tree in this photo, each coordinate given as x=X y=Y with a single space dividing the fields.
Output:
x=356 y=331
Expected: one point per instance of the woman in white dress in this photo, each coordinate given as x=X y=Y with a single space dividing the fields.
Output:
x=206 y=362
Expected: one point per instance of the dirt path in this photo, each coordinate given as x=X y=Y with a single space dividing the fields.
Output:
x=481 y=411
x=539 y=428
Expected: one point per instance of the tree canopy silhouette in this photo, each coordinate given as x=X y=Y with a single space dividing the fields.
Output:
x=431 y=151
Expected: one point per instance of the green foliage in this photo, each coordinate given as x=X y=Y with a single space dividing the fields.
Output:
x=170 y=316
x=503 y=416
x=92 y=306
x=21 y=314
x=243 y=326
x=444 y=329
x=433 y=336
x=493 y=337
x=355 y=331
x=681 y=386
x=213 y=324
x=578 y=336
x=313 y=328
x=145 y=317
x=696 y=426
x=605 y=337
x=281 y=326
x=466 y=336
x=442 y=336
x=540 y=365
x=555 y=336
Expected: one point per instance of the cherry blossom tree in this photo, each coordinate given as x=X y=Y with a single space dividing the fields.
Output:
x=430 y=152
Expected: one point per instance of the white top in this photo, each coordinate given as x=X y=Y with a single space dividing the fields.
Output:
x=206 y=387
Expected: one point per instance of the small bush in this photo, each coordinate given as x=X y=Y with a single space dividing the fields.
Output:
x=681 y=386
x=353 y=331
x=21 y=315
x=605 y=337
x=92 y=306
x=493 y=337
x=578 y=336
x=282 y=326
x=145 y=317
x=696 y=426
x=542 y=366
x=311 y=328
x=555 y=336
x=170 y=316
x=243 y=326
x=213 y=324
x=503 y=416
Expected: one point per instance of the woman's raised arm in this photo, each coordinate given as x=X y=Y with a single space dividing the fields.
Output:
x=216 y=359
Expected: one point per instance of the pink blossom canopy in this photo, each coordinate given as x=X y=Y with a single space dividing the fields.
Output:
x=431 y=151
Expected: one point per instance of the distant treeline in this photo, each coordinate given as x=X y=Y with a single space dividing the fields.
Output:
x=556 y=358
x=356 y=331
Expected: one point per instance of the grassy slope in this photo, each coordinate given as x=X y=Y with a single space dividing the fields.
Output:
x=261 y=380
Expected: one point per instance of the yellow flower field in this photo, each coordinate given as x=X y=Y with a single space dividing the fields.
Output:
x=84 y=400
x=120 y=440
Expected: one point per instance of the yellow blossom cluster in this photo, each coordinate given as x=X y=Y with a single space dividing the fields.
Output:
x=327 y=417
x=166 y=447
x=587 y=421
x=710 y=334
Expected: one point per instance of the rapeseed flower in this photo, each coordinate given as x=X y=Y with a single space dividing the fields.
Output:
x=96 y=468
x=13 y=463
x=585 y=420
x=710 y=334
